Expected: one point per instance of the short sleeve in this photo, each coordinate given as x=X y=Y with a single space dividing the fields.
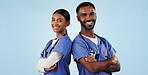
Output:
x=63 y=46
x=79 y=49
x=111 y=50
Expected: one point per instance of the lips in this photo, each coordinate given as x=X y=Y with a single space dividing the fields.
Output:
x=89 y=23
x=56 y=27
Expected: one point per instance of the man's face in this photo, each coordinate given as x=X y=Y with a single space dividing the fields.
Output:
x=87 y=17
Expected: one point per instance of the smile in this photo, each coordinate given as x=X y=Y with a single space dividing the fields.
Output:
x=89 y=23
x=56 y=27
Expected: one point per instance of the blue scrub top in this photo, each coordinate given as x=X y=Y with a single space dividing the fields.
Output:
x=63 y=46
x=80 y=49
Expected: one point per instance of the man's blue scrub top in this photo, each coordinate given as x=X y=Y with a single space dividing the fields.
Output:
x=80 y=49
x=63 y=46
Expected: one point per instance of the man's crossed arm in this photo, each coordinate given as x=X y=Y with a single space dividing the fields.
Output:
x=93 y=66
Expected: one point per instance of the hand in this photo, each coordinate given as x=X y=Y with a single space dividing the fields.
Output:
x=114 y=59
x=89 y=58
x=49 y=55
x=51 y=68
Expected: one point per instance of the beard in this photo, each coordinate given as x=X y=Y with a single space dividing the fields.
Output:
x=92 y=26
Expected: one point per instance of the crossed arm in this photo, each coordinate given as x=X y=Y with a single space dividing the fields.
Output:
x=45 y=65
x=93 y=66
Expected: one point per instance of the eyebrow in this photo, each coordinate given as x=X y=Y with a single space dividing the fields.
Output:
x=85 y=13
x=53 y=18
x=92 y=12
x=82 y=13
x=58 y=18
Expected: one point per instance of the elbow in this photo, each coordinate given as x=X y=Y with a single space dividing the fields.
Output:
x=118 y=69
x=38 y=69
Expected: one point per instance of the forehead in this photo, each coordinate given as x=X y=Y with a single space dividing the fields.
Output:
x=86 y=9
x=57 y=15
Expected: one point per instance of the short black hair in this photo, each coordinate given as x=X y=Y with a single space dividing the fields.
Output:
x=64 y=13
x=83 y=5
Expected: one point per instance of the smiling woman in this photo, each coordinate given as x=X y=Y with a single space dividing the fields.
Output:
x=59 y=23
x=57 y=51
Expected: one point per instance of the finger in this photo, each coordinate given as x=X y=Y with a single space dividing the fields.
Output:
x=52 y=67
x=55 y=65
x=86 y=59
x=87 y=56
x=90 y=60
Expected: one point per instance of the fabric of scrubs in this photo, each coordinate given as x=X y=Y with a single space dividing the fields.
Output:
x=80 y=49
x=63 y=46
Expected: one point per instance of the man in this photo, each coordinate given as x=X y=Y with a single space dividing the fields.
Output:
x=94 y=55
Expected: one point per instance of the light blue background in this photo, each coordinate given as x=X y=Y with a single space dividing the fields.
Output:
x=25 y=29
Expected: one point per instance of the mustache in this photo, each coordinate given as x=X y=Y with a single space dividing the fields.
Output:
x=88 y=21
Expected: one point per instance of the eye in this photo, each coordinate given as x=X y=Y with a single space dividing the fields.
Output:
x=83 y=14
x=92 y=14
x=59 y=20
x=53 y=19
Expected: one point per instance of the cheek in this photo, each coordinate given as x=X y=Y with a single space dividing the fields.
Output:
x=51 y=23
x=63 y=25
x=82 y=19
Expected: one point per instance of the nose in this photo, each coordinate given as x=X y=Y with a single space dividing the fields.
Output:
x=54 y=23
x=88 y=17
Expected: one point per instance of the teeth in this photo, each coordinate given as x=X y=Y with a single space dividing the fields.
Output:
x=55 y=27
x=89 y=22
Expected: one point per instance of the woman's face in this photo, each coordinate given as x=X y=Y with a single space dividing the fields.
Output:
x=58 y=23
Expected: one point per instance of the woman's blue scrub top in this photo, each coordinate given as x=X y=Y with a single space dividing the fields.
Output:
x=63 y=46
x=80 y=49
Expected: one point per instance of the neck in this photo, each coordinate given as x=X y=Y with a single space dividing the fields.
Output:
x=88 y=33
x=58 y=35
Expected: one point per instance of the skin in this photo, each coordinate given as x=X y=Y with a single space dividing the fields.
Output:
x=58 y=25
x=87 y=13
x=113 y=68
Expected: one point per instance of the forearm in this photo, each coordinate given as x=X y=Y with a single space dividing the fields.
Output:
x=113 y=68
x=50 y=61
x=96 y=66
x=108 y=65
x=40 y=65
x=99 y=66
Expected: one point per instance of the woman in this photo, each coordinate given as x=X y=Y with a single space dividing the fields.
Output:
x=55 y=58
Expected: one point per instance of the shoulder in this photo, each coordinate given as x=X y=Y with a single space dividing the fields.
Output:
x=65 y=39
x=78 y=39
x=78 y=42
x=101 y=38
x=104 y=40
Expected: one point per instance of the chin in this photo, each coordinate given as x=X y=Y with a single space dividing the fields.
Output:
x=55 y=31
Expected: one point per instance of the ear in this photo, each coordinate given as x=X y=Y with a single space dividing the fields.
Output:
x=67 y=24
x=78 y=18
